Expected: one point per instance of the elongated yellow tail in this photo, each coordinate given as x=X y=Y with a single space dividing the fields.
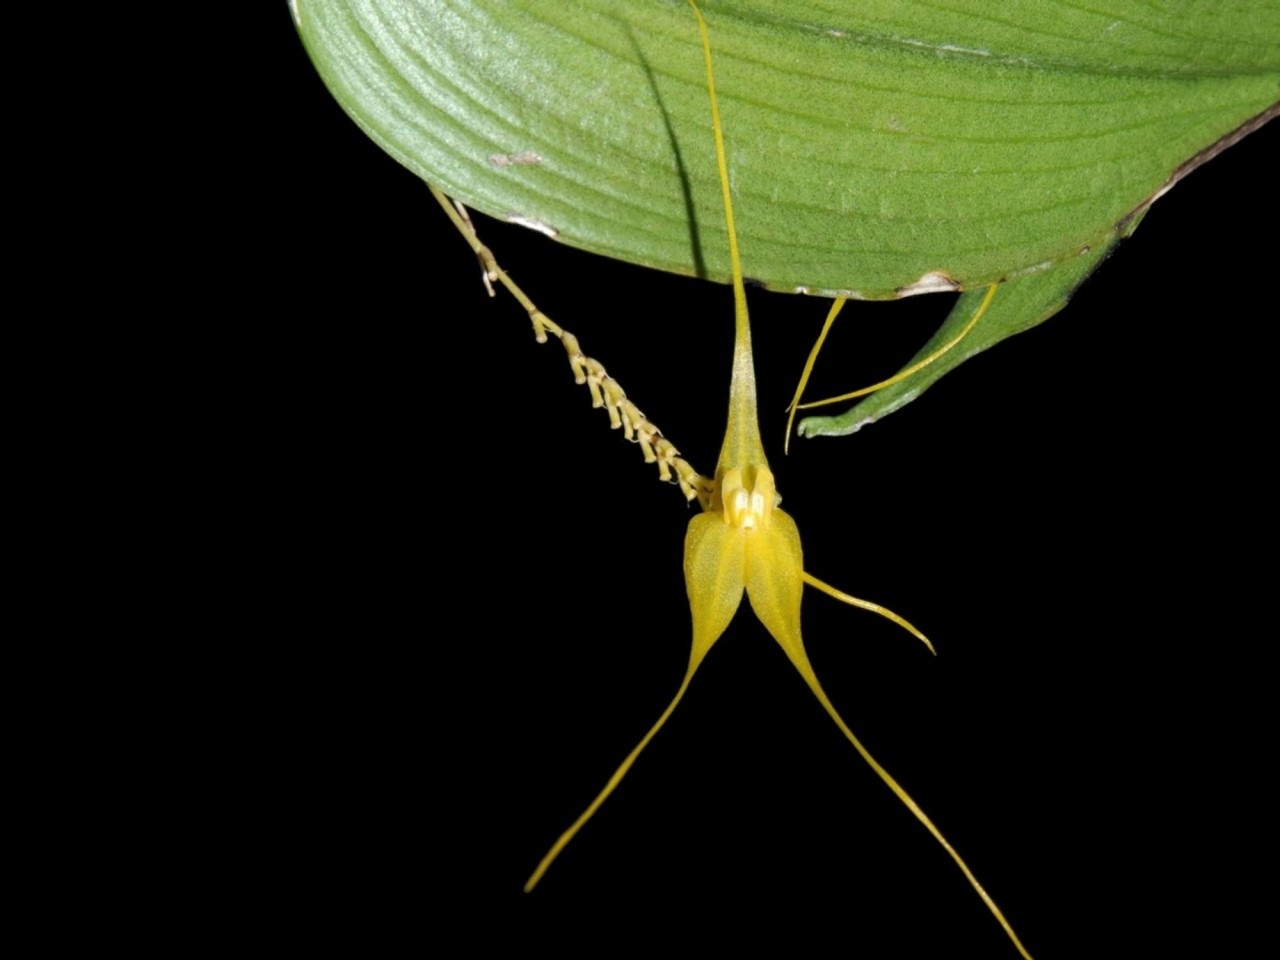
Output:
x=609 y=787
x=742 y=443
x=811 y=678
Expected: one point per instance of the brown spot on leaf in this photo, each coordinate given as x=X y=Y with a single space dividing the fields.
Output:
x=935 y=281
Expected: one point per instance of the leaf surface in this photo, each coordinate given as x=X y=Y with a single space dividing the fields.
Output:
x=876 y=149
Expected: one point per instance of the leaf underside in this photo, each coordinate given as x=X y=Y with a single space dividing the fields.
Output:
x=876 y=149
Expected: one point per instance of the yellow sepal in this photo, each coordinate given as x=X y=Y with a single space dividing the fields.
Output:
x=714 y=575
x=775 y=580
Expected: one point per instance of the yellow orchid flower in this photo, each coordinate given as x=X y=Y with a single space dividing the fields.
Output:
x=743 y=543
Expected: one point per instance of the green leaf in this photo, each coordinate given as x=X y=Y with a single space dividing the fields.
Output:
x=868 y=148
x=876 y=150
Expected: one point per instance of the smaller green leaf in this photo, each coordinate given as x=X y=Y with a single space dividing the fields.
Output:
x=1021 y=304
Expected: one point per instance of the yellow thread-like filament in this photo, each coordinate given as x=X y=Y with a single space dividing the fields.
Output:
x=911 y=805
x=603 y=795
x=868 y=605
x=836 y=306
x=901 y=374
x=742 y=442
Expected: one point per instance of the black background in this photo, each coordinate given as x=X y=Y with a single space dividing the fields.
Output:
x=489 y=580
